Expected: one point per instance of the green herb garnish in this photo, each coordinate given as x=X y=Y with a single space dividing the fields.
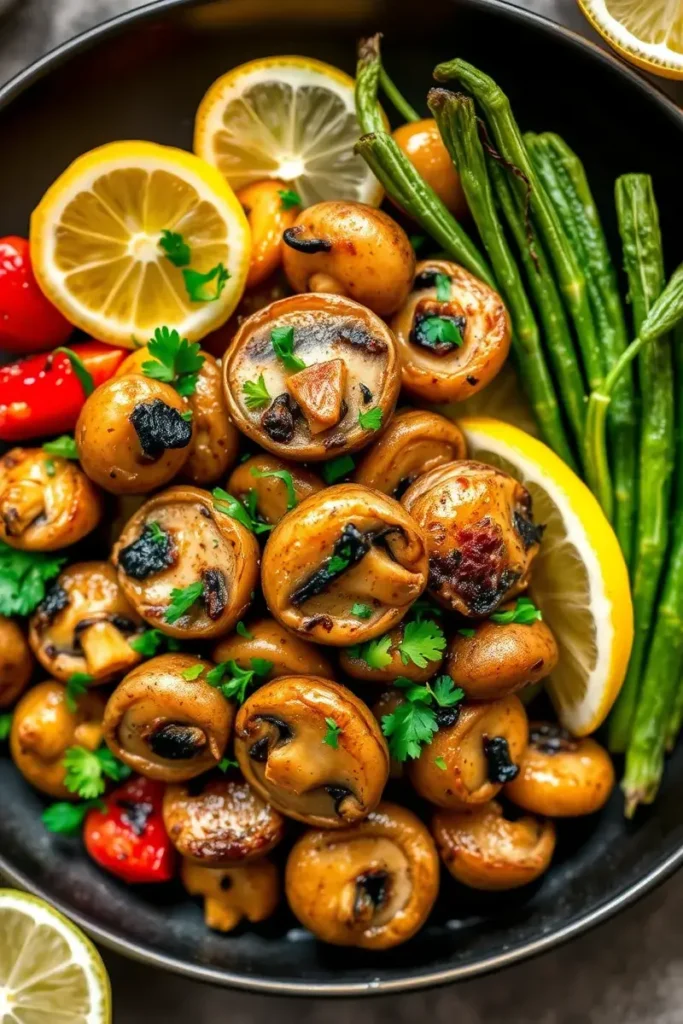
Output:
x=182 y=600
x=175 y=248
x=78 y=366
x=156 y=533
x=412 y=725
x=192 y=672
x=437 y=329
x=244 y=514
x=23 y=575
x=372 y=419
x=87 y=771
x=50 y=467
x=422 y=641
x=375 y=653
x=440 y=763
x=361 y=611
x=205 y=287
x=289 y=198
x=238 y=680
x=5 y=725
x=76 y=686
x=525 y=613
x=243 y=631
x=174 y=361
x=443 y=287
x=334 y=731
x=281 y=474
x=337 y=468
x=282 y=340
x=152 y=641
x=256 y=394
x=467 y=631
x=226 y=763
x=67 y=818
x=64 y=447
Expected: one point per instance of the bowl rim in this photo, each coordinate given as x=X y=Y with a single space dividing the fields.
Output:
x=253 y=983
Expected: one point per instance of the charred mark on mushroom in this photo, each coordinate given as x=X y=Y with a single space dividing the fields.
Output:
x=338 y=794
x=278 y=420
x=284 y=731
x=372 y=891
x=54 y=602
x=358 y=335
x=403 y=485
x=225 y=883
x=324 y=621
x=475 y=570
x=551 y=738
x=472 y=380
x=177 y=741
x=159 y=427
x=147 y=555
x=215 y=593
x=528 y=530
x=334 y=441
x=347 y=551
x=501 y=767
x=292 y=238
x=366 y=393
x=258 y=751
x=135 y=814
x=419 y=334
x=446 y=717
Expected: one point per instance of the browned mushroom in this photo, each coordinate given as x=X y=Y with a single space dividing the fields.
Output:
x=405 y=661
x=231 y=894
x=453 y=340
x=481 y=534
x=84 y=624
x=333 y=386
x=219 y=822
x=16 y=663
x=483 y=849
x=272 y=487
x=43 y=728
x=477 y=748
x=415 y=442
x=166 y=722
x=46 y=502
x=350 y=249
x=387 y=703
x=132 y=436
x=493 y=659
x=346 y=545
x=371 y=885
x=561 y=776
x=313 y=750
x=267 y=639
x=179 y=540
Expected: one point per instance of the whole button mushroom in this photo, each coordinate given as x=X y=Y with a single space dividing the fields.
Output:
x=271 y=486
x=561 y=776
x=453 y=333
x=16 y=663
x=387 y=703
x=484 y=850
x=312 y=377
x=132 y=436
x=415 y=442
x=313 y=750
x=43 y=728
x=166 y=722
x=219 y=822
x=46 y=502
x=481 y=535
x=344 y=546
x=265 y=638
x=350 y=249
x=372 y=885
x=230 y=894
x=186 y=567
x=477 y=748
x=84 y=625
x=408 y=658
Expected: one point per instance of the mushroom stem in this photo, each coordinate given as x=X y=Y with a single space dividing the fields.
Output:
x=106 y=650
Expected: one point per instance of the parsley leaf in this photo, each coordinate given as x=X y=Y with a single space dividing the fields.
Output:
x=256 y=394
x=23 y=575
x=525 y=613
x=87 y=771
x=281 y=474
x=239 y=679
x=372 y=419
x=5 y=726
x=282 y=340
x=443 y=287
x=192 y=672
x=467 y=631
x=246 y=515
x=422 y=642
x=408 y=728
x=242 y=630
x=67 y=818
x=76 y=686
x=64 y=446
x=198 y=287
x=361 y=611
x=438 y=329
x=440 y=763
x=289 y=198
x=446 y=693
x=335 y=469
x=374 y=653
x=334 y=731
x=175 y=248
x=182 y=600
x=83 y=375
x=174 y=361
x=226 y=762
x=151 y=641
x=156 y=533
x=424 y=609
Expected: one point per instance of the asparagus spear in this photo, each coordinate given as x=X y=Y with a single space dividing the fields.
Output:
x=457 y=123
x=393 y=93
x=676 y=714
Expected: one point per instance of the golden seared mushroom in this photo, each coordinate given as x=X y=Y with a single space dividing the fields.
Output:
x=351 y=249
x=267 y=639
x=372 y=885
x=166 y=722
x=422 y=143
x=46 y=502
x=231 y=894
x=415 y=442
x=219 y=822
x=313 y=750
x=477 y=748
x=311 y=377
x=481 y=535
x=493 y=659
x=387 y=703
x=43 y=728
x=561 y=776
x=483 y=849
x=84 y=624
x=186 y=567
x=271 y=208
x=416 y=650
x=346 y=546
x=271 y=487
x=453 y=333
x=131 y=434
x=16 y=663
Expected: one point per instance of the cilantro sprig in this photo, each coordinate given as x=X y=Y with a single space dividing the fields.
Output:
x=64 y=447
x=23 y=575
x=334 y=731
x=256 y=393
x=87 y=771
x=174 y=361
x=281 y=474
x=182 y=600
x=282 y=340
x=525 y=613
x=412 y=725
x=175 y=248
x=206 y=287
x=233 y=681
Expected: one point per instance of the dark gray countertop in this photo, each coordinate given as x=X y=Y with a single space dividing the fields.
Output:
x=628 y=971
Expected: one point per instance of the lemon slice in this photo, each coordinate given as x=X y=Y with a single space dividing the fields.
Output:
x=647 y=33
x=49 y=971
x=292 y=118
x=579 y=577
x=95 y=242
x=503 y=399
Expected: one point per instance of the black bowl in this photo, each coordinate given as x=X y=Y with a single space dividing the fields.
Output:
x=141 y=76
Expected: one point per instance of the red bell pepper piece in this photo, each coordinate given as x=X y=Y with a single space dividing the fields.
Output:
x=128 y=838
x=28 y=320
x=42 y=395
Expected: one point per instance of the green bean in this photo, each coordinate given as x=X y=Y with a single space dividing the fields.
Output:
x=676 y=714
x=457 y=123
x=392 y=93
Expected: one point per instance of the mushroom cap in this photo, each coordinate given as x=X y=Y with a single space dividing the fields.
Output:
x=268 y=217
x=251 y=890
x=327 y=329
x=164 y=725
x=280 y=744
x=353 y=664
x=560 y=776
x=46 y=502
x=481 y=319
x=272 y=498
x=483 y=850
x=372 y=885
x=16 y=662
x=388 y=577
x=481 y=535
x=288 y=653
x=386 y=704
x=203 y=545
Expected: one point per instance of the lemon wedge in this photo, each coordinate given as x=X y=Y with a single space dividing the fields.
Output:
x=49 y=970
x=95 y=243
x=292 y=118
x=579 y=578
x=647 y=33
x=502 y=399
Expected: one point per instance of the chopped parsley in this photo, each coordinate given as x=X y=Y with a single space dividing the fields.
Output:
x=467 y=631
x=87 y=771
x=227 y=762
x=371 y=419
x=440 y=763
x=243 y=513
x=361 y=611
x=64 y=447
x=281 y=474
x=282 y=340
x=5 y=726
x=422 y=641
x=23 y=575
x=438 y=329
x=175 y=248
x=67 y=818
x=256 y=394
x=192 y=672
x=206 y=287
x=76 y=686
x=337 y=468
x=182 y=600
x=443 y=287
x=174 y=361
x=525 y=613
x=289 y=198
x=233 y=681
x=242 y=630
x=412 y=725
x=156 y=533
x=375 y=653
x=151 y=642
x=334 y=731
